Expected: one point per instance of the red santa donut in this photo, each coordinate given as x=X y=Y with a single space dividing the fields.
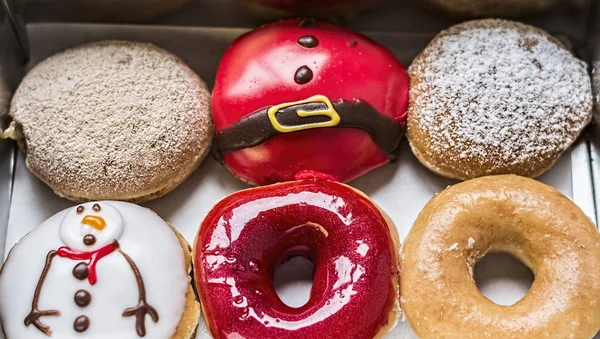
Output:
x=298 y=95
x=354 y=247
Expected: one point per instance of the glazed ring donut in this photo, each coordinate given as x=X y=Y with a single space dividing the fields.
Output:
x=495 y=97
x=516 y=216
x=247 y=234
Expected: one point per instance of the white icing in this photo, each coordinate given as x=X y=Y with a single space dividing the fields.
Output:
x=72 y=228
x=146 y=238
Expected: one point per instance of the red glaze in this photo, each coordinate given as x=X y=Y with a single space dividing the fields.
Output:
x=313 y=175
x=248 y=233
x=92 y=258
x=258 y=71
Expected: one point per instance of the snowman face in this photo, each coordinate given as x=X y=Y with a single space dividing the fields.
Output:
x=91 y=226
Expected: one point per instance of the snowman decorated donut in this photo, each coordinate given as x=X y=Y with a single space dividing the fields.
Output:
x=300 y=95
x=99 y=270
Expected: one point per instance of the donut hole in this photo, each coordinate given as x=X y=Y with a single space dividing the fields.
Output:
x=502 y=278
x=293 y=280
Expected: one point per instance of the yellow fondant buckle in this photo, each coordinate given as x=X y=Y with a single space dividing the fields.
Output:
x=329 y=112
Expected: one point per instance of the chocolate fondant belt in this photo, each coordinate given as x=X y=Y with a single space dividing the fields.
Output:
x=315 y=112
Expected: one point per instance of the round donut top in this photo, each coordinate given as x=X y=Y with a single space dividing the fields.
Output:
x=494 y=96
x=294 y=60
x=508 y=214
x=93 y=281
x=112 y=119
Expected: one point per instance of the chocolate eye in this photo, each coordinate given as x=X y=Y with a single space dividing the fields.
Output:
x=80 y=209
x=96 y=208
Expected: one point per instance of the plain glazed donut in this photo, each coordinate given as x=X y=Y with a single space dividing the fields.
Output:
x=495 y=97
x=353 y=244
x=513 y=215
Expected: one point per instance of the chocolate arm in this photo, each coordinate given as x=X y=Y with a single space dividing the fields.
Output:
x=142 y=307
x=34 y=316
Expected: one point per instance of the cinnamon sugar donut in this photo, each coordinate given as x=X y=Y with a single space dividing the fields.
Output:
x=495 y=97
x=113 y=120
x=480 y=8
x=517 y=216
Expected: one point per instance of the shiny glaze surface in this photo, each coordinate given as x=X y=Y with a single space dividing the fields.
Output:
x=247 y=234
x=259 y=70
x=508 y=214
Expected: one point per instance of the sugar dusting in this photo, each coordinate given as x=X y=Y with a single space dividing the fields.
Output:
x=113 y=119
x=499 y=95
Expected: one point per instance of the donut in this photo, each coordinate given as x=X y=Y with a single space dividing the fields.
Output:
x=62 y=280
x=483 y=8
x=513 y=215
x=112 y=120
x=495 y=97
x=281 y=89
x=334 y=10
x=106 y=10
x=352 y=243
x=596 y=86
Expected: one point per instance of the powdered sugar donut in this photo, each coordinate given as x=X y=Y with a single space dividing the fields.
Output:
x=495 y=97
x=99 y=270
x=113 y=120
x=596 y=86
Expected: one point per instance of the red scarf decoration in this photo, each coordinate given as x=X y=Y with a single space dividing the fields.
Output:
x=92 y=257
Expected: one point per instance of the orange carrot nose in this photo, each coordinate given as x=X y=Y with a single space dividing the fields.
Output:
x=94 y=221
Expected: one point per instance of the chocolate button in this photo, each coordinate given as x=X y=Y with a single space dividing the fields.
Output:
x=81 y=271
x=83 y=298
x=303 y=75
x=81 y=324
x=308 y=41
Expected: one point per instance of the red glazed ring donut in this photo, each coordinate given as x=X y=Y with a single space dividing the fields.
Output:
x=300 y=95
x=245 y=236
